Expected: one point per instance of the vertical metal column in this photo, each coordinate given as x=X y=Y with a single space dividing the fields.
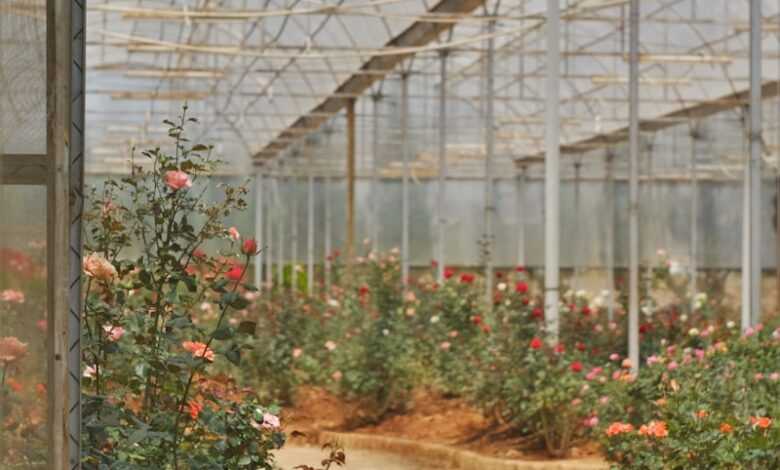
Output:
x=552 y=176
x=328 y=239
x=755 y=161
x=351 y=139
x=633 y=197
x=521 y=215
x=576 y=268
x=441 y=195
x=374 y=233
x=694 y=248
x=292 y=196
x=259 y=228
x=405 y=179
x=490 y=146
x=280 y=222
x=610 y=238
x=269 y=245
x=745 y=311
x=310 y=224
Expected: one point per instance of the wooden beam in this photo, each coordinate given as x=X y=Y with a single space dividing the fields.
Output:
x=23 y=169
x=688 y=113
x=418 y=33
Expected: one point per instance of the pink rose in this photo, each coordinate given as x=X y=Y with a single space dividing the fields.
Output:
x=177 y=180
x=672 y=365
x=271 y=421
x=445 y=345
x=336 y=375
x=114 y=333
x=12 y=296
x=233 y=232
x=297 y=352
x=11 y=349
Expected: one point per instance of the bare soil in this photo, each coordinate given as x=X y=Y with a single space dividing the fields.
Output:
x=432 y=418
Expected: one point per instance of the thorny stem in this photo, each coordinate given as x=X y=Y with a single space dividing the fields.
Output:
x=183 y=400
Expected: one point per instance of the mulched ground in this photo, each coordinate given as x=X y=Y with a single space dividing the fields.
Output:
x=432 y=418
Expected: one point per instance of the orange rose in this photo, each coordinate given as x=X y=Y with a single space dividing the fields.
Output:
x=726 y=428
x=762 y=422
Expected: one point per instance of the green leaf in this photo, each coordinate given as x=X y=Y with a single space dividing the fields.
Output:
x=247 y=328
x=224 y=332
x=233 y=354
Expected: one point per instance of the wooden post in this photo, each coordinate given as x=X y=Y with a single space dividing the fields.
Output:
x=350 y=248
x=65 y=67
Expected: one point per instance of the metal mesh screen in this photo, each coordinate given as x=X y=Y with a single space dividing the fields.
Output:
x=22 y=76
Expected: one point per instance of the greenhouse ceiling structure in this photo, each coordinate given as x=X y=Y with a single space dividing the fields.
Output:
x=557 y=134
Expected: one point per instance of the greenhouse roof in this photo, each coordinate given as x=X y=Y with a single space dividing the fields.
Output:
x=262 y=76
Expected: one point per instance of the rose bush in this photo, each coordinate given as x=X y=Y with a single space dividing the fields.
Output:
x=716 y=397
x=165 y=319
x=372 y=340
x=23 y=328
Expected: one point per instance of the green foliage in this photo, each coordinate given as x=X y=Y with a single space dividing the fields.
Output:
x=152 y=394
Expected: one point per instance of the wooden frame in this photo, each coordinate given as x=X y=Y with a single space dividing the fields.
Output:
x=65 y=54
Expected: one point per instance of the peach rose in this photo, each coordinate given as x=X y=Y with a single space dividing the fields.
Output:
x=177 y=180
x=99 y=268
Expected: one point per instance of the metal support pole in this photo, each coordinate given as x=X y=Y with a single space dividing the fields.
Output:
x=375 y=175
x=280 y=222
x=755 y=161
x=259 y=228
x=328 y=237
x=745 y=311
x=351 y=139
x=576 y=268
x=521 y=215
x=610 y=238
x=552 y=176
x=310 y=226
x=405 y=179
x=490 y=145
x=269 y=245
x=441 y=195
x=292 y=196
x=694 y=248
x=633 y=198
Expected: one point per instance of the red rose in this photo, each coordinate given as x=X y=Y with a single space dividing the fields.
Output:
x=363 y=290
x=520 y=269
x=560 y=348
x=538 y=313
x=645 y=327
x=581 y=346
x=586 y=310
x=576 y=366
x=466 y=278
x=536 y=343
x=448 y=273
x=476 y=319
x=198 y=253
x=526 y=301
x=486 y=328
x=499 y=275
x=434 y=264
x=249 y=247
x=521 y=287
x=235 y=273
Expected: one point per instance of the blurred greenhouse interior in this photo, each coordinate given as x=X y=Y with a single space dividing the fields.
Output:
x=587 y=141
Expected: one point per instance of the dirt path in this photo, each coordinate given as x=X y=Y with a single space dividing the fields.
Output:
x=290 y=456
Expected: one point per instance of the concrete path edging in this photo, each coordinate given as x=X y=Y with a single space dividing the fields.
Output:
x=451 y=457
